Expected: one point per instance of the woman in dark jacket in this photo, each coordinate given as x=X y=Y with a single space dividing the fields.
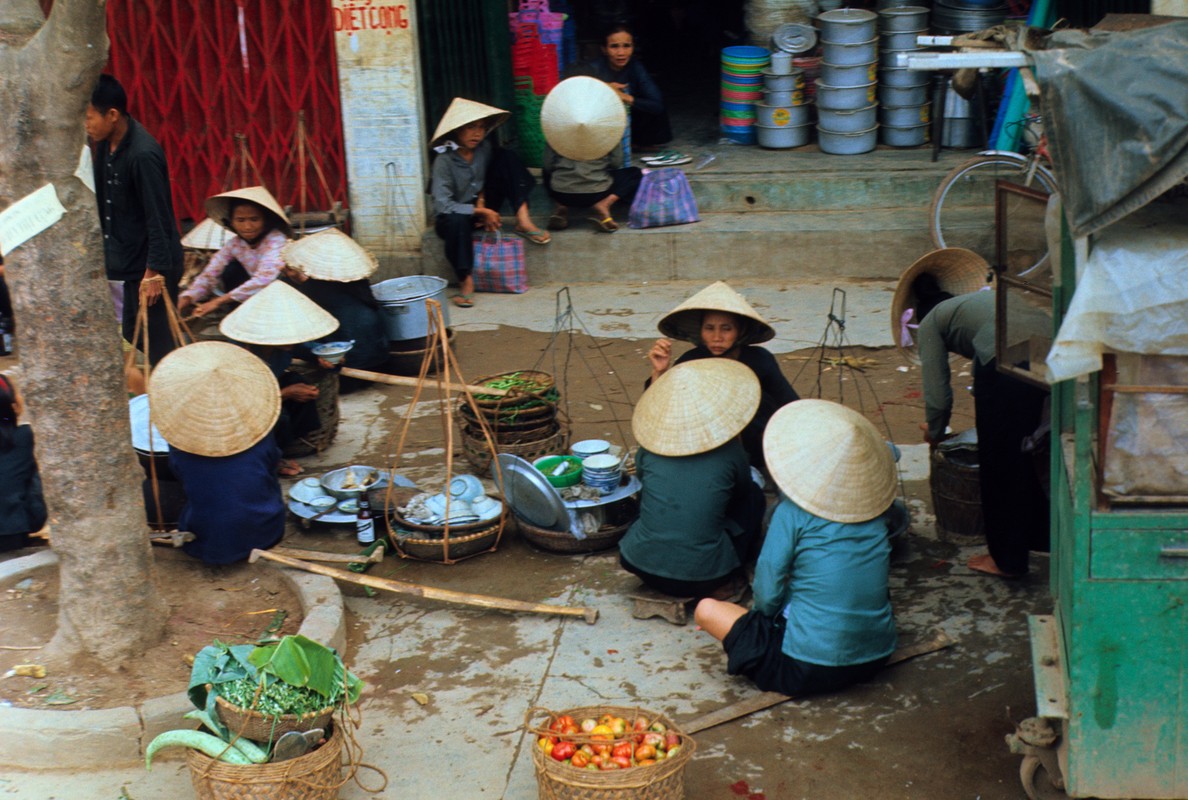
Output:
x=627 y=76
x=22 y=507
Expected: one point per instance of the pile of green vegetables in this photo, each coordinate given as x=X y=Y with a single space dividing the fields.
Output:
x=294 y=675
x=523 y=392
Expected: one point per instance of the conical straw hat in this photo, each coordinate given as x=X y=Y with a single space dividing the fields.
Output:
x=696 y=406
x=684 y=321
x=957 y=271
x=213 y=399
x=278 y=314
x=830 y=460
x=329 y=256
x=582 y=118
x=207 y=235
x=218 y=207
x=463 y=112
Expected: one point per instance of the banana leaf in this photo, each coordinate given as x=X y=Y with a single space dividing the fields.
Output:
x=300 y=661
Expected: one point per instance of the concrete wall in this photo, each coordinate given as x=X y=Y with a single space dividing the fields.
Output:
x=1170 y=8
x=382 y=120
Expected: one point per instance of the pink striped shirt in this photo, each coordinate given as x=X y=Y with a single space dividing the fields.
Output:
x=262 y=262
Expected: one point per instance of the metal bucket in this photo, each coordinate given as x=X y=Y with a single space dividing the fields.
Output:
x=784 y=99
x=791 y=82
x=402 y=301
x=845 y=54
x=781 y=138
x=909 y=136
x=847 y=144
x=847 y=25
x=956 y=497
x=844 y=98
x=904 y=116
x=852 y=75
x=903 y=95
x=859 y=119
x=902 y=78
x=902 y=18
x=902 y=40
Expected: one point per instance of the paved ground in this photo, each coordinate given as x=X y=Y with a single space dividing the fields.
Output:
x=448 y=688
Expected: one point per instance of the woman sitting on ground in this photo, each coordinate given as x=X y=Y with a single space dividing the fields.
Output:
x=821 y=618
x=472 y=177
x=722 y=324
x=216 y=404
x=22 y=506
x=250 y=260
x=700 y=512
x=627 y=76
x=596 y=184
x=271 y=325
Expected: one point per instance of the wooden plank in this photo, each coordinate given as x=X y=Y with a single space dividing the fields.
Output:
x=1047 y=665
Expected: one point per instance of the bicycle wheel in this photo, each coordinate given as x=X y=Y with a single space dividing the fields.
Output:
x=962 y=211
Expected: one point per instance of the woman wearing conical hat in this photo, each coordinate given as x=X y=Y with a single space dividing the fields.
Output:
x=821 y=617
x=216 y=404
x=722 y=324
x=700 y=512
x=250 y=260
x=472 y=178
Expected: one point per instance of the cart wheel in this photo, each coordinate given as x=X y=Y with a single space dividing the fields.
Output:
x=1037 y=783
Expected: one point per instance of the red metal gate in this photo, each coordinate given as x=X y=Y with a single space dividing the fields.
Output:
x=199 y=71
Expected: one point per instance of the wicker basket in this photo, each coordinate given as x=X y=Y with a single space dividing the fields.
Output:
x=510 y=419
x=604 y=538
x=664 y=780
x=264 y=728
x=543 y=380
x=479 y=455
x=314 y=776
x=327 y=404
x=956 y=498
x=456 y=548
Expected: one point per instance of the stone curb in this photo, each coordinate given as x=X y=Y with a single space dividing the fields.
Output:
x=116 y=737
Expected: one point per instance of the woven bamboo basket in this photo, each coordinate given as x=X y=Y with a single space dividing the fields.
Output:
x=664 y=780
x=956 y=498
x=327 y=405
x=464 y=541
x=543 y=381
x=314 y=776
x=516 y=418
x=475 y=448
x=604 y=538
x=265 y=728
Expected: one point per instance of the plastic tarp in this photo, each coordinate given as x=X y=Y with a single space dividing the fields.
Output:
x=1132 y=294
x=1115 y=107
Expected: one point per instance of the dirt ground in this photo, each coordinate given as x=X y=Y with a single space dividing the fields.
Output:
x=600 y=379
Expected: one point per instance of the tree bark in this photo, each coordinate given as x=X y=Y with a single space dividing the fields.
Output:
x=68 y=341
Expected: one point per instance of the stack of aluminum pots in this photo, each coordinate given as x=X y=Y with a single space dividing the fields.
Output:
x=847 y=114
x=783 y=119
x=903 y=93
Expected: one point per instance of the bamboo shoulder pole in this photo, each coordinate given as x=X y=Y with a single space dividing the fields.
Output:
x=400 y=380
x=428 y=592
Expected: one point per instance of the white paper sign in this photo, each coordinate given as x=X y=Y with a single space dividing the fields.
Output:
x=84 y=171
x=28 y=217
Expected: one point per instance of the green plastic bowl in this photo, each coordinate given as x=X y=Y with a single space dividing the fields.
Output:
x=546 y=465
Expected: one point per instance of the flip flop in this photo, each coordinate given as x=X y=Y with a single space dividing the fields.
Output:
x=558 y=222
x=605 y=224
x=668 y=160
x=536 y=237
x=463 y=300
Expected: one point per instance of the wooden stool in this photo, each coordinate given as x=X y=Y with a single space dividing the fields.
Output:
x=647 y=603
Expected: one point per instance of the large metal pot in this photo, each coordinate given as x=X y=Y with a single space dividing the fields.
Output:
x=402 y=302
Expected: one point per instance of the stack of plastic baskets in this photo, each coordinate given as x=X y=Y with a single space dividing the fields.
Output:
x=527 y=113
x=742 y=87
x=538 y=36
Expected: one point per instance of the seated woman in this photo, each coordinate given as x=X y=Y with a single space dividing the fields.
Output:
x=331 y=270
x=22 y=506
x=596 y=184
x=700 y=512
x=472 y=177
x=722 y=324
x=821 y=618
x=216 y=404
x=250 y=260
x=627 y=76
x=271 y=324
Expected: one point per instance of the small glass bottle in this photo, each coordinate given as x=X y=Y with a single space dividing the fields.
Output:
x=364 y=524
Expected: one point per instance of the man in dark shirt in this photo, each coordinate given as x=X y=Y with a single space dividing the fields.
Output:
x=141 y=246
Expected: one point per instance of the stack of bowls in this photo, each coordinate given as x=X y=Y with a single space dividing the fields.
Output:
x=783 y=118
x=903 y=93
x=602 y=472
x=847 y=114
x=955 y=17
x=742 y=81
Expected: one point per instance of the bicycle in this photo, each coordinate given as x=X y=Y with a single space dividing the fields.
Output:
x=963 y=208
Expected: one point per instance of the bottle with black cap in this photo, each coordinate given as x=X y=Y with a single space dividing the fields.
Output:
x=364 y=524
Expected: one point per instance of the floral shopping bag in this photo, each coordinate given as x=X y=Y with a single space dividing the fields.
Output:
x=499 y=264
x=664 y=198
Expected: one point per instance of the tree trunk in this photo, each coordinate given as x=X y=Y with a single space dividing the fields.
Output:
x=68 y=341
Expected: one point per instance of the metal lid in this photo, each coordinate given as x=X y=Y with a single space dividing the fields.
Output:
x=793 y=37
x=530 y=494
x=407 y=289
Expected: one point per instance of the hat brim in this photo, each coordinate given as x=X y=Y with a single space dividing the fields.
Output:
x=684 y=321
x=696 y=407
x=957 y=271
x=463 y=112
x=218 y=207
x=582 y=118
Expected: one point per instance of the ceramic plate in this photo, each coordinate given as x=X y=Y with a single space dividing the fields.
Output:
x=626 y=490
x=530 y=494
x=142 y=439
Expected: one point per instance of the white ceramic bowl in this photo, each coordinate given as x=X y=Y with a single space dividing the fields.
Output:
x=334 y=352
x=322 y=502
x=486 y=507
x=589 y=447
x=466 y=487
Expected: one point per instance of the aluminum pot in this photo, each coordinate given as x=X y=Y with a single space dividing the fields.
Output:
x=847 y=144
x=847 y=25
x=903 y=96
x=791 y=82
x=781 y=62
x=846 y=54
x=902 y=40
x=783 y=116
x=783 y=98
x=784 y=137
x=844 y=98
x=904 y=116
x=912 y=136
x=855 y=75
x=902 y=78
x=402 y=303
x=902 y=18
x=860 y=119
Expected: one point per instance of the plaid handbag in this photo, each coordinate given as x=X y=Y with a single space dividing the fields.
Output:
x=664 y=198
x=499 y=264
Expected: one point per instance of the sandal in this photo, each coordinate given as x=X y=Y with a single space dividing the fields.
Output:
x=558 y=222
x=289 y=469
x=463 y=300
x=536 y=237
x=605 y=224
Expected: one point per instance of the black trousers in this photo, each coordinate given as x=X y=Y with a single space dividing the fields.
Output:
x=1014 y=504
x=507 y=181
x=649 y=129
x=624 y=184
x=160 y=338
